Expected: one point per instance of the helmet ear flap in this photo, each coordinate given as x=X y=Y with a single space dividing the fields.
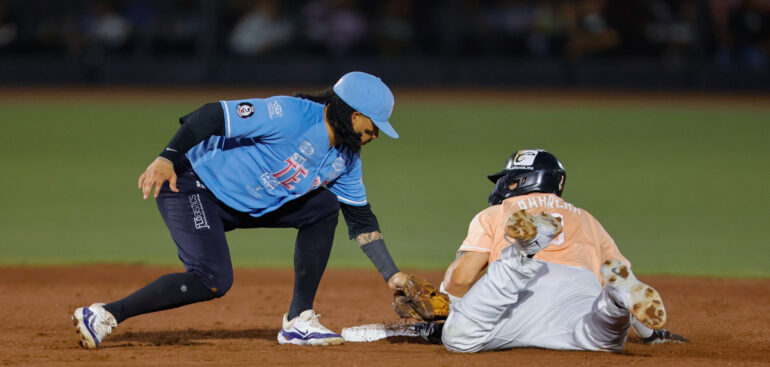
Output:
x=503 y=189
x=500 y=192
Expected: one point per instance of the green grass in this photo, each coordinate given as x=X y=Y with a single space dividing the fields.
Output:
x=682 y=190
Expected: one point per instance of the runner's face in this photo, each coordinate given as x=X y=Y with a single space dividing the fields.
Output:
x=364 y=126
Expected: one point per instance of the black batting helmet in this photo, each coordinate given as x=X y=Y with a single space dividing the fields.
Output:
x=532 y=170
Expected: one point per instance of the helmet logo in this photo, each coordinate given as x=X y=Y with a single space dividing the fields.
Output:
x=522 y=158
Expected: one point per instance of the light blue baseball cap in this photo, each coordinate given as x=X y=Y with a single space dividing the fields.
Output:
x=367 y=94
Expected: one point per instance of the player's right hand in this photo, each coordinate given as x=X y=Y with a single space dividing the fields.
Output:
x=158 y=172
x=398 y=281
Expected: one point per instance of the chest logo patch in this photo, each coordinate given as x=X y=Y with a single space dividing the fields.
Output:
x=306 y=148
x=244 y=110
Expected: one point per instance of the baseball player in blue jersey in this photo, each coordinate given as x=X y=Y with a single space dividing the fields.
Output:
x=276 y=162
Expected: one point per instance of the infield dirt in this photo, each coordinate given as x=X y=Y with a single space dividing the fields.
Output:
x=726 y=319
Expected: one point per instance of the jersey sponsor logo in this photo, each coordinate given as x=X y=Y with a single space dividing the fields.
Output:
x=523 y=158
x=244 y=109
x=306 y=148
x=293 y=172
x=254 y=191
x=199 y=216
x=269 y=181
x=274 y=109
x=338 y=164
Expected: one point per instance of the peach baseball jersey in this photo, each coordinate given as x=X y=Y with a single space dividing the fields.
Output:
x=583 y=242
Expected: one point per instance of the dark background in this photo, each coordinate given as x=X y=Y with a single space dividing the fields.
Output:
x=635 y=44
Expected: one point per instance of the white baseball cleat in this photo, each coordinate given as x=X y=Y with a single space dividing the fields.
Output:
x=93 y=323
x=532 y=232
x=628 y=292
x=305 y=329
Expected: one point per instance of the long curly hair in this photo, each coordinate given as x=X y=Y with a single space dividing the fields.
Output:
x=339 y=116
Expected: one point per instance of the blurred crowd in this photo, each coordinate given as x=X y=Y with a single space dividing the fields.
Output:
x=729 y=33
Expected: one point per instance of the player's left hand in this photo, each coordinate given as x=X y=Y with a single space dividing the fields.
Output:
x=398 y=280
x=157 y=173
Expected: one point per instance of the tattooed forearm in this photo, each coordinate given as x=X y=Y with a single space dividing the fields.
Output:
x=365 y=238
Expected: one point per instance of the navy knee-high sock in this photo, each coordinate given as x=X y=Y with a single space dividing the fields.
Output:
x=168 y=291
x=311 y=253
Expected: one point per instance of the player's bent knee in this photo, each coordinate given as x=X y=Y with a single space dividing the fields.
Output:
x=217 y=282
x=456 y=338
x=222 y=288
x=223 y=284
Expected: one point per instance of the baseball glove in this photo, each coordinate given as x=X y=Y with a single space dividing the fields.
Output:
x=419 y=300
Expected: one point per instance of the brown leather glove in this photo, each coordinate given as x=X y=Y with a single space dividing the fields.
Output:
x=420 y=300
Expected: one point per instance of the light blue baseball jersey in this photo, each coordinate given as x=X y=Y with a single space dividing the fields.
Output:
x=275 y=150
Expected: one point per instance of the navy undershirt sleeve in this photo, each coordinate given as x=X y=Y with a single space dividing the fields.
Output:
x=197 y=126
x=360 y=219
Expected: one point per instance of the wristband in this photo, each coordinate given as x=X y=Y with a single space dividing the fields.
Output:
x=380 y=257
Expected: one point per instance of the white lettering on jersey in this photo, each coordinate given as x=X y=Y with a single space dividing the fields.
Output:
x=268 y=181
x=274 y=109
x=549 y=202
x=254 y=191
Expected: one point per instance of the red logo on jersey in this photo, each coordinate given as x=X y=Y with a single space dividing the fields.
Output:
x=294 y=169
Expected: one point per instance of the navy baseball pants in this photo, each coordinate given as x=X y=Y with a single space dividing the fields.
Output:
x=198 y=222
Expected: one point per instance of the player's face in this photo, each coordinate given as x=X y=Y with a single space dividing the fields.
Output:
x=364 y=126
